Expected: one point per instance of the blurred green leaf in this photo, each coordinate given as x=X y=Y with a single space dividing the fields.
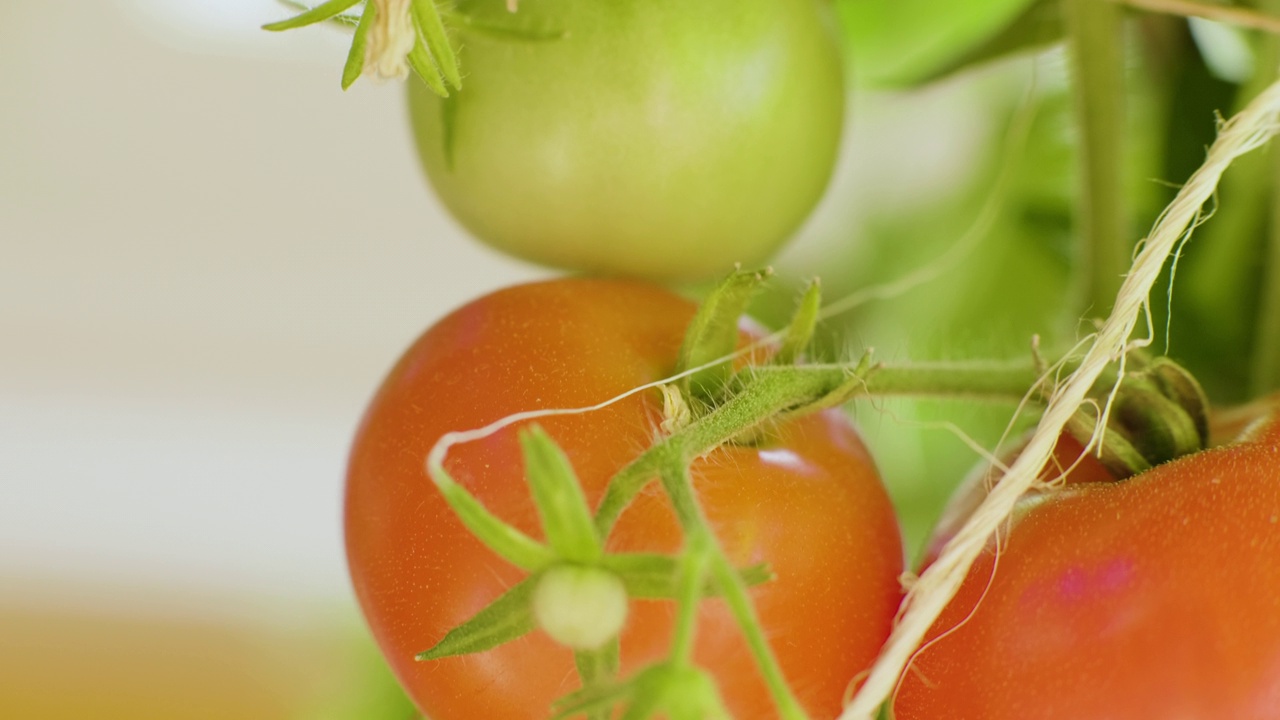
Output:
x=907 y=42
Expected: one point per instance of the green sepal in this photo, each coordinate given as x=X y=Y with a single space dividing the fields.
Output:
x=651 y=576
x=800 y=330
x=505 y=619
x=1156 y=425
x=713 y=334
x=566 y=518
x=1180 y=386
x=324 y=11
x=509 y=542
x=355 y=57
x=1116 y=453
x=424 y=67
x=426 y=17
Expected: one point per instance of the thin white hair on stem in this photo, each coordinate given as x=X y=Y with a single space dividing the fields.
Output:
x=1015 y=143
x=935 y=588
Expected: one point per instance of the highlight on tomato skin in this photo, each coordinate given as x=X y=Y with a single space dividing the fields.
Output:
x=1153 y=597
x=807 y=502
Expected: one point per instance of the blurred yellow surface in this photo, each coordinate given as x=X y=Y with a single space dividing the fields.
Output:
x=60 y=662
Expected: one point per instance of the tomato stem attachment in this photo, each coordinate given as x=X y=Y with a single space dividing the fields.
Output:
x=771 y=390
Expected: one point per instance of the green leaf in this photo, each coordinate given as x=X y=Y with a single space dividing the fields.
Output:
x=566 y=518
x=713 y=334
x=355 y=58
x=905 y=42
x=431 y=31
x=652 y=576
x=800 y=329
x=503 y=620
x=505 y=540
x=319 y=13
x=1038 y=26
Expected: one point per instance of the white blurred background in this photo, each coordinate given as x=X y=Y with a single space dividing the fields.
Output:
x=209 y=255
x=208 y=258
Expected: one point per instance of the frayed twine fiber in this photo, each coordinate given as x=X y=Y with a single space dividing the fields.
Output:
x=927 y=597
x=391 y=39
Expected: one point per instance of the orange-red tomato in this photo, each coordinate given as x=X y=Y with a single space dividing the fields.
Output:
x=808 y=502
x=1154 y=597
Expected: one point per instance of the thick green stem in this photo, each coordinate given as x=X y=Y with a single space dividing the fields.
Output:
x=1265 y=375
x=991 y=382
x=1096 y=35
x=1265 y=363
x=774 y=389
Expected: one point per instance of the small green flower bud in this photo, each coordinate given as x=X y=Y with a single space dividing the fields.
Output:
x=581 y=607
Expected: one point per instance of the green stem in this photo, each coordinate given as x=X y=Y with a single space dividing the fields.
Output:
x=693 y=569
x=773 y=389
x=1265 y=363
x=749 y=408
x=992 y=382
x=735 y=594
x=1096 y=35
x=679 y=487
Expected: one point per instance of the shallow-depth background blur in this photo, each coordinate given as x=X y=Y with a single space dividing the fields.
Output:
x=209 y=255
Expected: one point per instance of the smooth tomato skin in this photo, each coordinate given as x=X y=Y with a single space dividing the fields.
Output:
x=1155 y=597
x=658 y=139
x=809 y=504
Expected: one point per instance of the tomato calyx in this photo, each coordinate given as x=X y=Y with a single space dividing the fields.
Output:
x=1159 y=413
x=571 y=578
x=674 y=687
x=391 y=37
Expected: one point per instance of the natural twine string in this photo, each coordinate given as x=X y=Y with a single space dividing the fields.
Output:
x=926 y=599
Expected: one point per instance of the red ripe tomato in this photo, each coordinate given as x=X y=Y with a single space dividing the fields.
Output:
x=1154 y=597
x=808 y=503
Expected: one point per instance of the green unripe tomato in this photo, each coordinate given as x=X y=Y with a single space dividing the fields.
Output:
x=664 y=139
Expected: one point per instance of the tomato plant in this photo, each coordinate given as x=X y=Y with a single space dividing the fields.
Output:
x=805 y=499
x=657 y=139
x=1158 y=596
